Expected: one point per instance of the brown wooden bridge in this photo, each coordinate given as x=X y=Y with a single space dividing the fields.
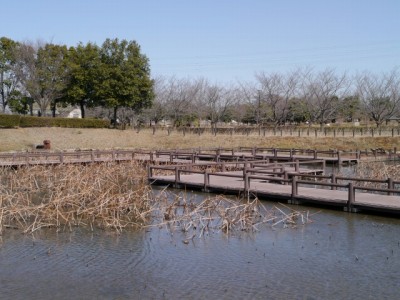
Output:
x=198 y=155
x=292 y=182
x=293 y=175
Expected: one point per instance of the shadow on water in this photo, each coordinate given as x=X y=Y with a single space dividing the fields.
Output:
x=335 y=256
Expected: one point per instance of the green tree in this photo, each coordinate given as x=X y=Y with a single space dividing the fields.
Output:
x=8 y=80
x=84 y=63
x=124 y=76
x=44 y=72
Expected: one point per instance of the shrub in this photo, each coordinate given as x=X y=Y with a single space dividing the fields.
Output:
x=29 y=121
x=9 y=121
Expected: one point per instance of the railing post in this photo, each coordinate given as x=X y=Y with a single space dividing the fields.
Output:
x=351 y=197
x=315 y=154
x=297 y=166
x=149 y=171
x=92 y=156
x=358 y=154
x=61 y=157
x=294 y=186
x=339 y=156
x=246 y=183
x=285 y=177
x=177 y=177
x=206 y=181
x=151 y=156
x=333 y=181
x=390 y=185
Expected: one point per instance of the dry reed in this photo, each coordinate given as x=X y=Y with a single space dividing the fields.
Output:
x=378 y=170
x=100 y=195
x=117 y=196
x=197 y=217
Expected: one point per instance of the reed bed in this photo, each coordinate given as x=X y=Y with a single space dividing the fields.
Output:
x=198 y=217
x=379 y=170
x=116 y=196
x=100 y=195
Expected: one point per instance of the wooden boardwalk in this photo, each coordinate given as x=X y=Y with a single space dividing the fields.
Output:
x=293 y=188
x=198 y=155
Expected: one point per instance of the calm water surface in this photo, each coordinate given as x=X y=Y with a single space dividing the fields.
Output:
x=337 y=256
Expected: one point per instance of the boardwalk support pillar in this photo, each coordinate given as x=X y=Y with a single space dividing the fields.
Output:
x=295 y=191
x=351 y=199
x=206 y=181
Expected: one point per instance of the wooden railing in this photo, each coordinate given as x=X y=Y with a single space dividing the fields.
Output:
x=260 y=170
x=190 y=155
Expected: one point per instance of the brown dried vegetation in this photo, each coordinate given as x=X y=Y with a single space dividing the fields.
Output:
x=117 y=196
x=100 y=195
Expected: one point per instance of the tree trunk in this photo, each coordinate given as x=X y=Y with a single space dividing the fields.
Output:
x=115 y=116
x=82 y=105
x=53 y=109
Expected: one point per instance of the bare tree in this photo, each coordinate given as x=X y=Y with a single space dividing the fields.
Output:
x=214 y=102
x=275 y=94
x=180 y=95
x=380 y=95
x=158 y=110
x=322 y=92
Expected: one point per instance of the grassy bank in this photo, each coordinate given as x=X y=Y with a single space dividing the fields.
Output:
x=23 y=139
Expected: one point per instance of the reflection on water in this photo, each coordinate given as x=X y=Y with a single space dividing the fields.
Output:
x=337 y=256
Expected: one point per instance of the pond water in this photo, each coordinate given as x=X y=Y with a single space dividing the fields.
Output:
x=336 y=256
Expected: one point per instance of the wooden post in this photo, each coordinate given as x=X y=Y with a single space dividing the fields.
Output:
x=92 y=156
x=285 y=177
x=177 y=177
x=297 y=166
x=61 y=157
x=339 y=156
x=206 y=181
x=315 y=154
x=351 y=197
x=390 y=185
x=333 y=180
x=149 y=171
x=246 y=183
x=294 y=186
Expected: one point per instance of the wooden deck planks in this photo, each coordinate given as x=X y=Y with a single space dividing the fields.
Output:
x=272 y=191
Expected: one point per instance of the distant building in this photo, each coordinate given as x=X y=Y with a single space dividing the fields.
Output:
x=75 y=113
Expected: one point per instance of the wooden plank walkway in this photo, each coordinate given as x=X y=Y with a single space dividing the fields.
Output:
x=346 y=196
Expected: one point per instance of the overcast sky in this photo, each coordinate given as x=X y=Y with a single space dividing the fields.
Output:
x=222 y=40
